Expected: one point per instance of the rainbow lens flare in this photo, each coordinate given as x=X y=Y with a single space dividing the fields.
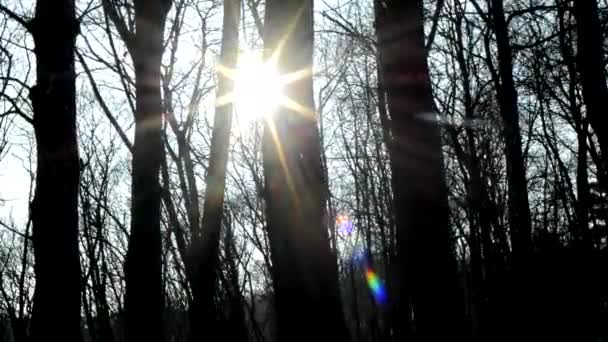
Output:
x=362 y=259
x=375 y=285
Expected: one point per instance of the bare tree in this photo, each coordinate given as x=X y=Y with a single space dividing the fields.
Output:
x=144 y=298
x=204 y=250
x=54 y=209
x=304 y=269
x=427 y=277
x=591 y=67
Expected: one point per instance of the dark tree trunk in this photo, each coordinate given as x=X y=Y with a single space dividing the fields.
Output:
x=427 y=267
x=581 y=229
x=56 y=313
x=518 y=323
x=481 y=243
x=204 y=252
x=144 y=298
x=519 y=209
x=592 y=68
x=304 y=270
x=237 y=320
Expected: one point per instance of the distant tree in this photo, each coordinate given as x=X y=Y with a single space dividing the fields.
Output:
x=304 y=269
x=520 y=225
x=581 y=126
x=519 y=208
x=97 y=181
x=479 y=212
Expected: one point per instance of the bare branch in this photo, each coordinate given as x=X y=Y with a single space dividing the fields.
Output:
x=125 y=34
x=14 y=231
x=102 y=103
x=23 y=22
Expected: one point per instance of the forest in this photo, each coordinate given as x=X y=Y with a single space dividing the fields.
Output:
x=301 y=170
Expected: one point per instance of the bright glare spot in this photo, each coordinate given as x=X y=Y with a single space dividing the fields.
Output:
x=258 y=88
x=345 y=225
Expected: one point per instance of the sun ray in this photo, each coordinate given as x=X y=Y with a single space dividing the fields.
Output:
x=270 y=125
x=258 y=93
x=289 y=103
x=274 y=56
x=226 y=71
x=295 y=76
x=224 y=99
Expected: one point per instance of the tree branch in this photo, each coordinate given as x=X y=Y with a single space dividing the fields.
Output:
x=102 y=103
x=435 y=21
x=14 y=231
x=125 y=34
x=23 y=22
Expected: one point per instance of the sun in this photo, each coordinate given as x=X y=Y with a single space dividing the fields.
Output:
x=258 y=88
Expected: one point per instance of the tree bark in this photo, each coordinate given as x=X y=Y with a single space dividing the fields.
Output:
x=204 y=252
x=519 y=209
x=481 y=244
x=581 y=230
x=54 y=208
x=427 y=268
x=592 y=68
x=519 y=323
x=144 y=298
x=304 y=270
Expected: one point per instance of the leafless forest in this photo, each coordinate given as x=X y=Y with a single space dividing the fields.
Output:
x=299 y=170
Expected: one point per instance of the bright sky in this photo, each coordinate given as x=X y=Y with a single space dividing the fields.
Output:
x=14 y=177
x=14 y=184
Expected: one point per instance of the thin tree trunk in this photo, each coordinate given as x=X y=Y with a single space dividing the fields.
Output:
x=519 y=209
x=144 y=298
x=592 y=68
x=581 y=232
x=481 y=244
x=55 y=205
x=427 y=267
x=518 y=205
x=304 y=270
x=204 y=252
x=237 y=320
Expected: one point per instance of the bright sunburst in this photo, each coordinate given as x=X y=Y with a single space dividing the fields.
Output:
x=258 y=88
x=258 y=92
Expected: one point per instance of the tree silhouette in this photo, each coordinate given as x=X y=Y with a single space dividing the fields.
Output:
x=436 y=169
x=54 y=208
x=303 y=268
x=144 y=298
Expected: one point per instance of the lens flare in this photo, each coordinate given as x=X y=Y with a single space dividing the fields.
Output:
x=375 y=284
x=358 y=256
x=345 y=225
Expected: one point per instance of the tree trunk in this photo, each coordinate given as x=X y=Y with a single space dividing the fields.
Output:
x=237 y=320
x=304 y=270
x=481 y=244
x=592 y=68
x=55 y=205
x=427 y=267
x=204 y=252
x=581 y=230
x=519 y=209
x=144 y=298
